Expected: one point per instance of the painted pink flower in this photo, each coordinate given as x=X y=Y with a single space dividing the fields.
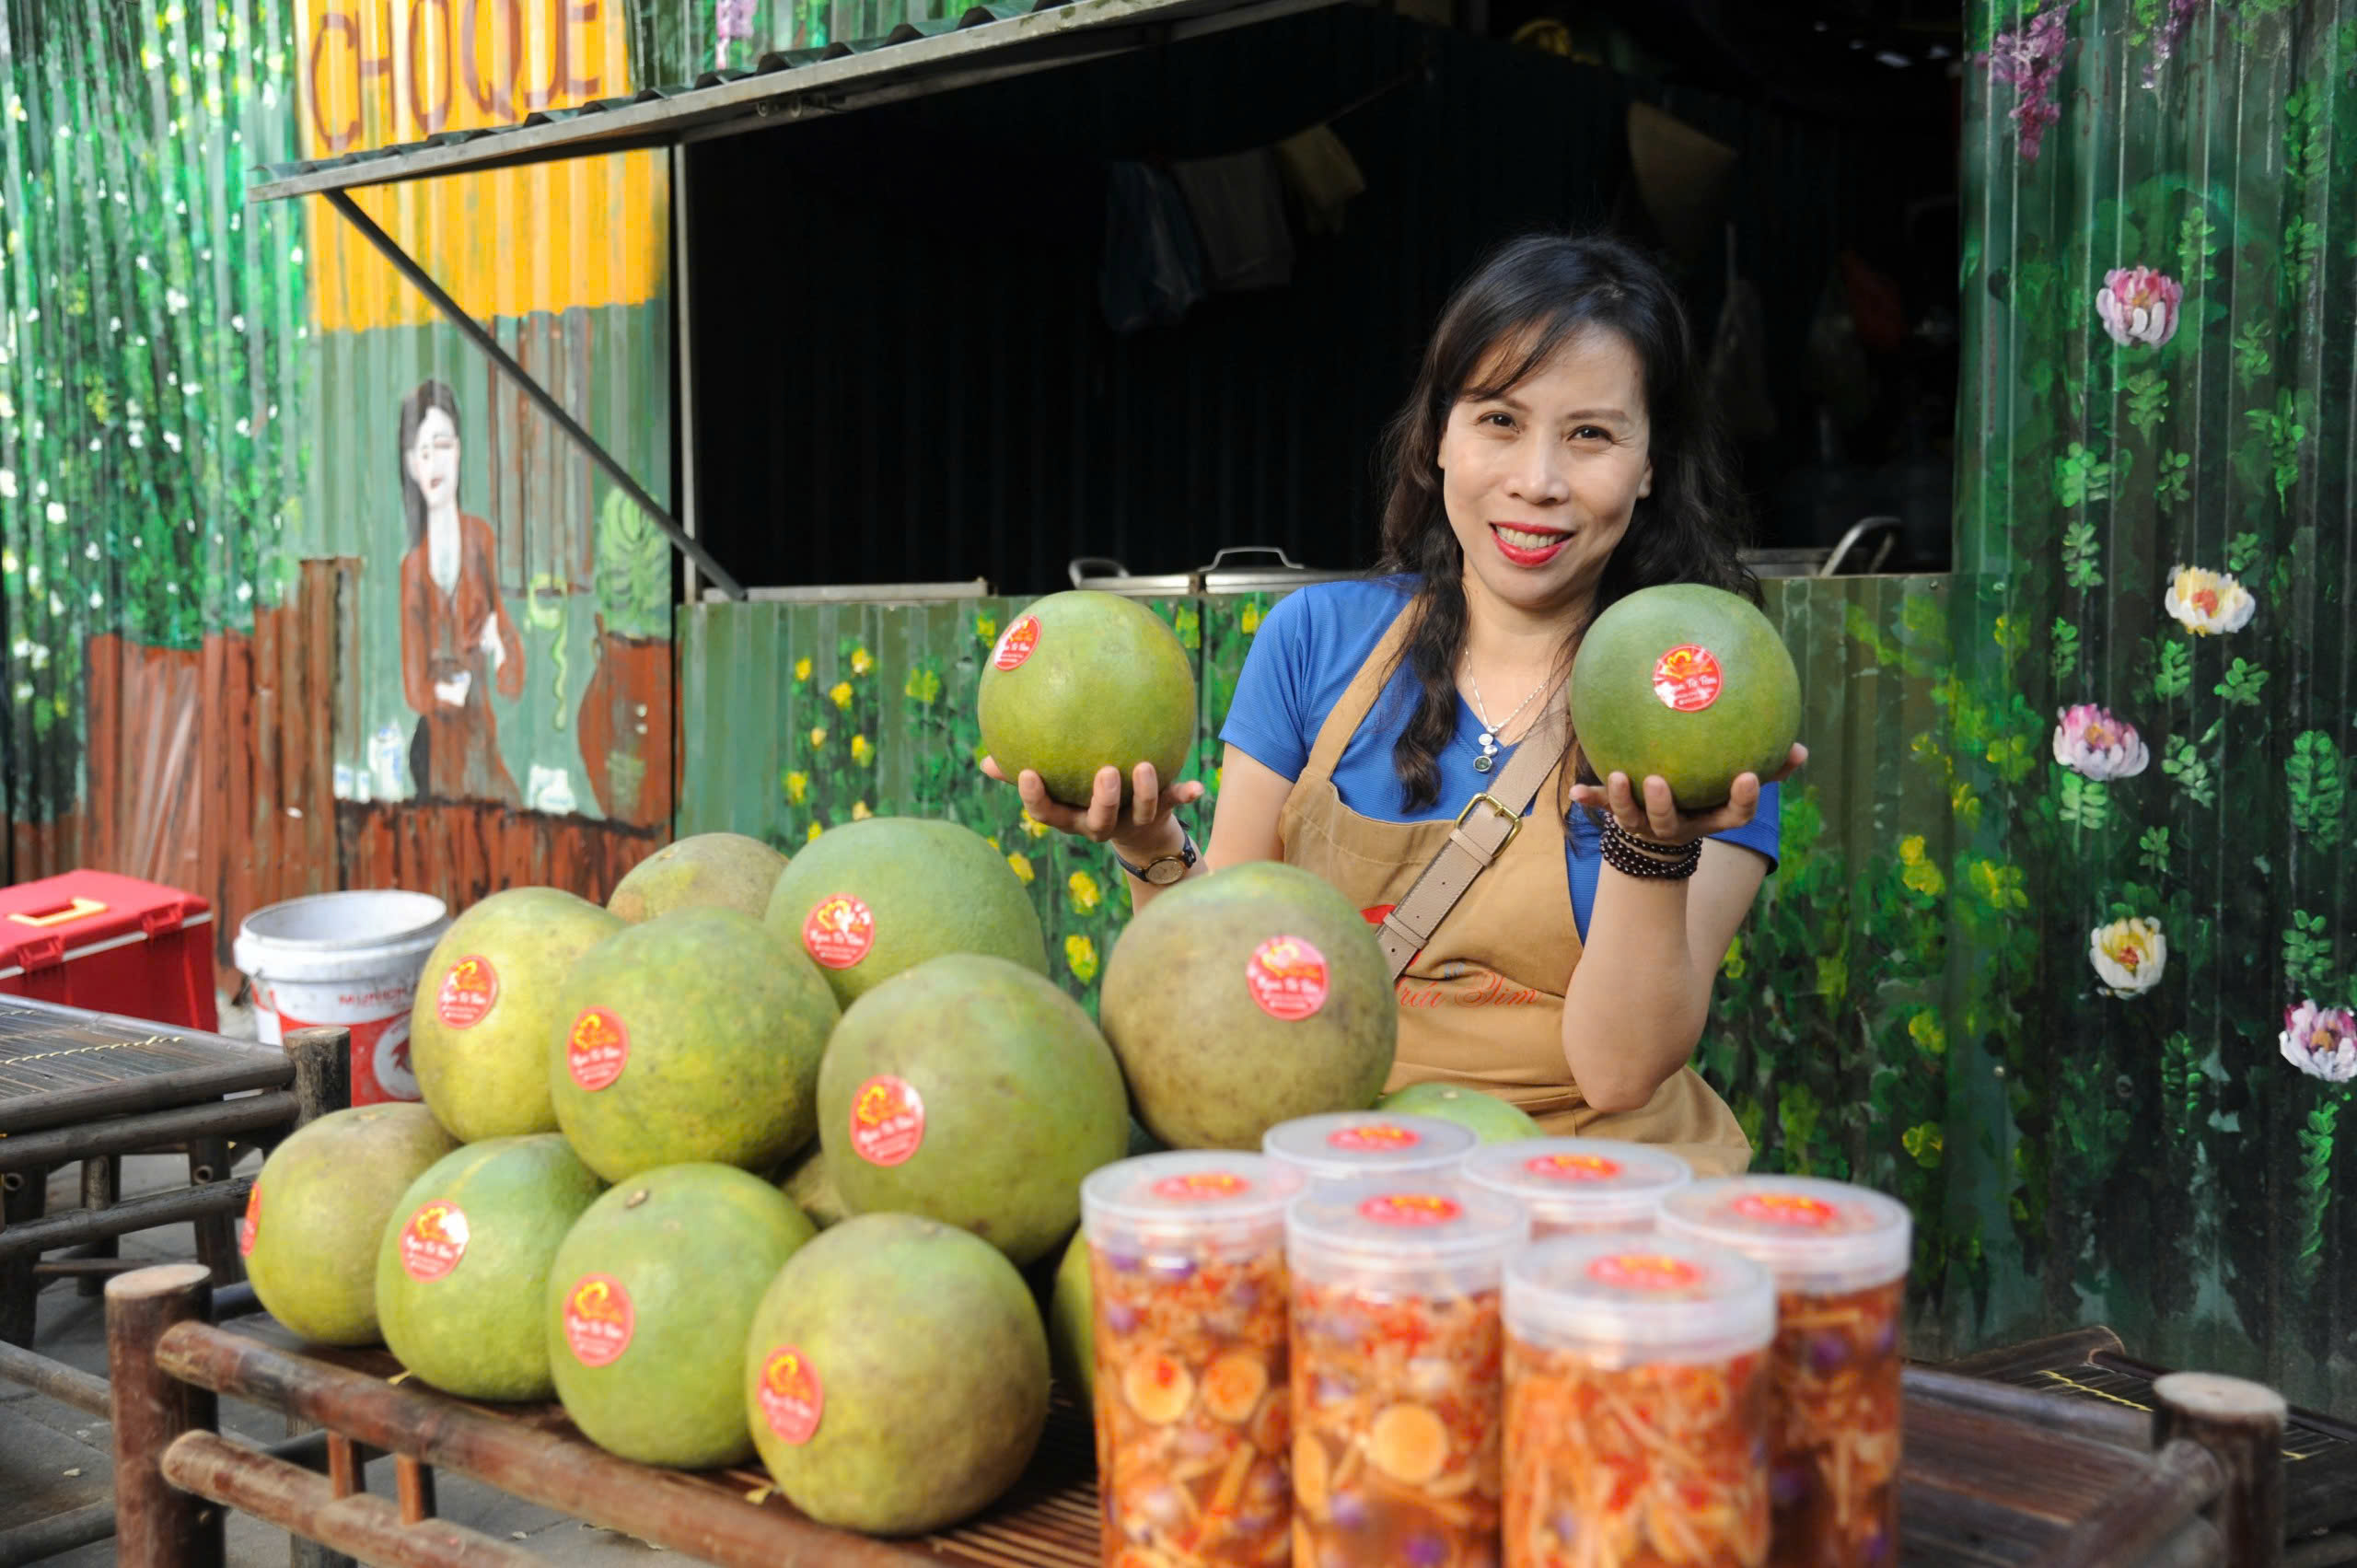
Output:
x=2030 y=58
x=2090 y=741
x=2138 y=305
x=2321 y=1041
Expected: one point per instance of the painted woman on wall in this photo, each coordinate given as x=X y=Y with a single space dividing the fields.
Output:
x=456 y=638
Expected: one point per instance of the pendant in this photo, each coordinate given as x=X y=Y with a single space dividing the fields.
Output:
x=1481 y=764
x=1485 y=741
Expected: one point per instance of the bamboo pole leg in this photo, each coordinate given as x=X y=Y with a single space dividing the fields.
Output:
x=216 y=1235
x=23 y=1195
x=101 y=1183
x=156 y=1526
x=323 y=1060
x=414 y=1483
x=2241 y=1423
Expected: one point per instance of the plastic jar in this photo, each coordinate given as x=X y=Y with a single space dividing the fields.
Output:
x=1838 y=1256
x=1579 y=1186
x=1351 y=1146
x=1637 y=1404
x=1187 y=1268
x=1398 y=1372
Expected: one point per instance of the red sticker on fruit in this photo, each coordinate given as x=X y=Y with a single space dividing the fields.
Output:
x=1416 y=1209
x=1016 y=645
x=1572 y=1168
x=598 y=1049
x=598 y=1320
x=839 y=931
x=1784 y=1208
x=790 y=1398
x=250 y=1228
x=1688 y=678
x=1644 y=1271
x=1374 y=1138
x=1199 y=1186
x=1287 y=978
x=433 y=1241
x=467 y=994
x=887 y=1121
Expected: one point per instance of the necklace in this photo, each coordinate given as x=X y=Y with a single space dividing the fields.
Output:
x=1488 y=738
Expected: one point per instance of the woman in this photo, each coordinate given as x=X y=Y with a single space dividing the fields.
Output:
x=1553 y=456
x=455 y=633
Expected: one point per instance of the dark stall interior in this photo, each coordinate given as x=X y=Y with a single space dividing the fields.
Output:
x=960 y=337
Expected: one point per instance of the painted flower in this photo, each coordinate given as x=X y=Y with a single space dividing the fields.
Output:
x=815 y=831
x=841 y=695
x=1251 y=619
x=861 y=751
x=2138 y=305
x=1033 y=826
x=1085 y=891
x=1020 y=864
x=1926 y=1030
x=859 y=811
x=732 y=19
x=1917 y=870
x=2321 y=1041
x=986 y=628
x=924 y=686
x=797 y=787
x=1080 y=956
x=2130 y=956
x=802 y=669
x=2091 y=742
x=2030 y=58
x=818 y=736
x=860 y=661
x=2208 y=602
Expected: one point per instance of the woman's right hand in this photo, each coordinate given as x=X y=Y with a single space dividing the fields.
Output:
x=1144 y=827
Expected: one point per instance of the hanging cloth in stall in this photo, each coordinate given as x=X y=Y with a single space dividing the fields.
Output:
x=1151 y=271
x=1322 y=175
x=1239 y=211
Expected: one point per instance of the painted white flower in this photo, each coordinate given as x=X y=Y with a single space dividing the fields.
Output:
x=9 y=483
x=2320 y=1042
x=175 y=301
x=2090 y=741
x=2138 y=304
x=55 y=511
x=2208 y=602
x=2129 y=955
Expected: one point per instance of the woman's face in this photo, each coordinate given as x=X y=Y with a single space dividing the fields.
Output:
x=1539 y=481
x=433 y=458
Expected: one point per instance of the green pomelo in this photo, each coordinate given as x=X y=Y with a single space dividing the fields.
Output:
x=696 y=1035
x=896 y=1376
x=1490 y=1118
x=707 y=871
x=487 y=1003
x=1104 y=681
x=971 y=1091
x=1240 y=1001
x=319 y=1208
x=869 y=900
x=1072 y=1324
x=463 y=1275
x=813 y=1191
x=648 y=1301
x=1689 y=682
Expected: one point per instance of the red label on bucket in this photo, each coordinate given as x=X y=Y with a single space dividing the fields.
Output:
x=380 y=1069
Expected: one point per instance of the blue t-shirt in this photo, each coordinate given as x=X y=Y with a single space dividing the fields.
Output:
x=1307 y=651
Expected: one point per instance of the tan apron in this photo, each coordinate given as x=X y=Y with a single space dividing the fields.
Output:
x=1482 y=1005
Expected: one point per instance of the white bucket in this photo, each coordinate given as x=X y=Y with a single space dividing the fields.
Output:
x=347 y=959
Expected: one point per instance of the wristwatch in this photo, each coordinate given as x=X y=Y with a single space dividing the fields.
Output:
x=1163 y=870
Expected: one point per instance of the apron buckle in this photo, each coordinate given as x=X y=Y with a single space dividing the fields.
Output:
x=1513 y=819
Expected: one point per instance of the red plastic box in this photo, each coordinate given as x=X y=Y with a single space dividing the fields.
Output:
x=112 y=945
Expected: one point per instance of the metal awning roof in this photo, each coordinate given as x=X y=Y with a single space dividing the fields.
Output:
x=987 y=43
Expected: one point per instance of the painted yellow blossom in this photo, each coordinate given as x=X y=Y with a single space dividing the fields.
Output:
x=1919 y=874
x=1926 y=1142
x=860 y=662
x=1033 y=826
x=802 y=669
x=986 y=628
x=841 y=695
x=818 y=736
x=1020 y=864
x=816 y=829
x=1085 y=894
x=1080 y=954
x=797 y=787
x=860 y=752
x=1733 y=966
x=2206 y=603
x=859 y=811
x=923 y=685
x=2129 y=955
x=1251 y=619
x=1925 y=1030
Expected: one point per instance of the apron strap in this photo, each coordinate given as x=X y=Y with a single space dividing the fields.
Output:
x=1488 y=823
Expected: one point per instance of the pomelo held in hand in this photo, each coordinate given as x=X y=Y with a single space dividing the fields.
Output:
x=487 y=1003
x=707 y=871
x=1240 y=1001
x=1689 y=682
x=1081 y=680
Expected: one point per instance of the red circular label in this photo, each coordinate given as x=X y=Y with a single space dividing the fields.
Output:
x=433 y=1241
x=467 y=994
x=251 y=1226
x=1688 y=678
x=1785 y=1208
x=1017 y=645
x=598 y=1320
x=1287 y=978
x=791 y=1397
x=1410 y=1209
x=1199 y=1186
x=598 y=1049
x=1572 y=1168
x=1644 y=1271
x=887 y=1121
x=839 y=931
x=1375 y=1138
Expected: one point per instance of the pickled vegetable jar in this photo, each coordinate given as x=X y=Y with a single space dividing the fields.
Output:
x=1839 y=1255
x=1637 y=1405
x=1187 y=1268
x=1397 y=1372
x=1352 y=1145
x=1579 y=1186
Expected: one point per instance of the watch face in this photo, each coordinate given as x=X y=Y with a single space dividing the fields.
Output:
x=1167 y=870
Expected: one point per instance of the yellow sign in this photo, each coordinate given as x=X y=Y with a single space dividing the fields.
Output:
x=580 y=232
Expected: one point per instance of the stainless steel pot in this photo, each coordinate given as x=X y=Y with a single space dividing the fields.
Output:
x=1106 y=575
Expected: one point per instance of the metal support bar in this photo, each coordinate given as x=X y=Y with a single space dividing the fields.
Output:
x=481 y=337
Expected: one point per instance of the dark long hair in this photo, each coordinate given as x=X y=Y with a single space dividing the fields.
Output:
x=429 y=396
x=1538 y=293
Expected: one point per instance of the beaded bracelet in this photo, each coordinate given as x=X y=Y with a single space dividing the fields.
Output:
x=1633 y=856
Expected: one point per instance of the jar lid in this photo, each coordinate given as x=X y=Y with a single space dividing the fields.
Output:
x=1195 y=1198
x=1811 y=1235
x=1667 y=1297
x=1344 y=1145
x=1402 y=1224
x=1579 y=1180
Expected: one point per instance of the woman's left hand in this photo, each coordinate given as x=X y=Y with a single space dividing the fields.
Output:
x=1653 y=816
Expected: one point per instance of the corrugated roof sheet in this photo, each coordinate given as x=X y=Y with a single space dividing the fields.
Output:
x=984 y=42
